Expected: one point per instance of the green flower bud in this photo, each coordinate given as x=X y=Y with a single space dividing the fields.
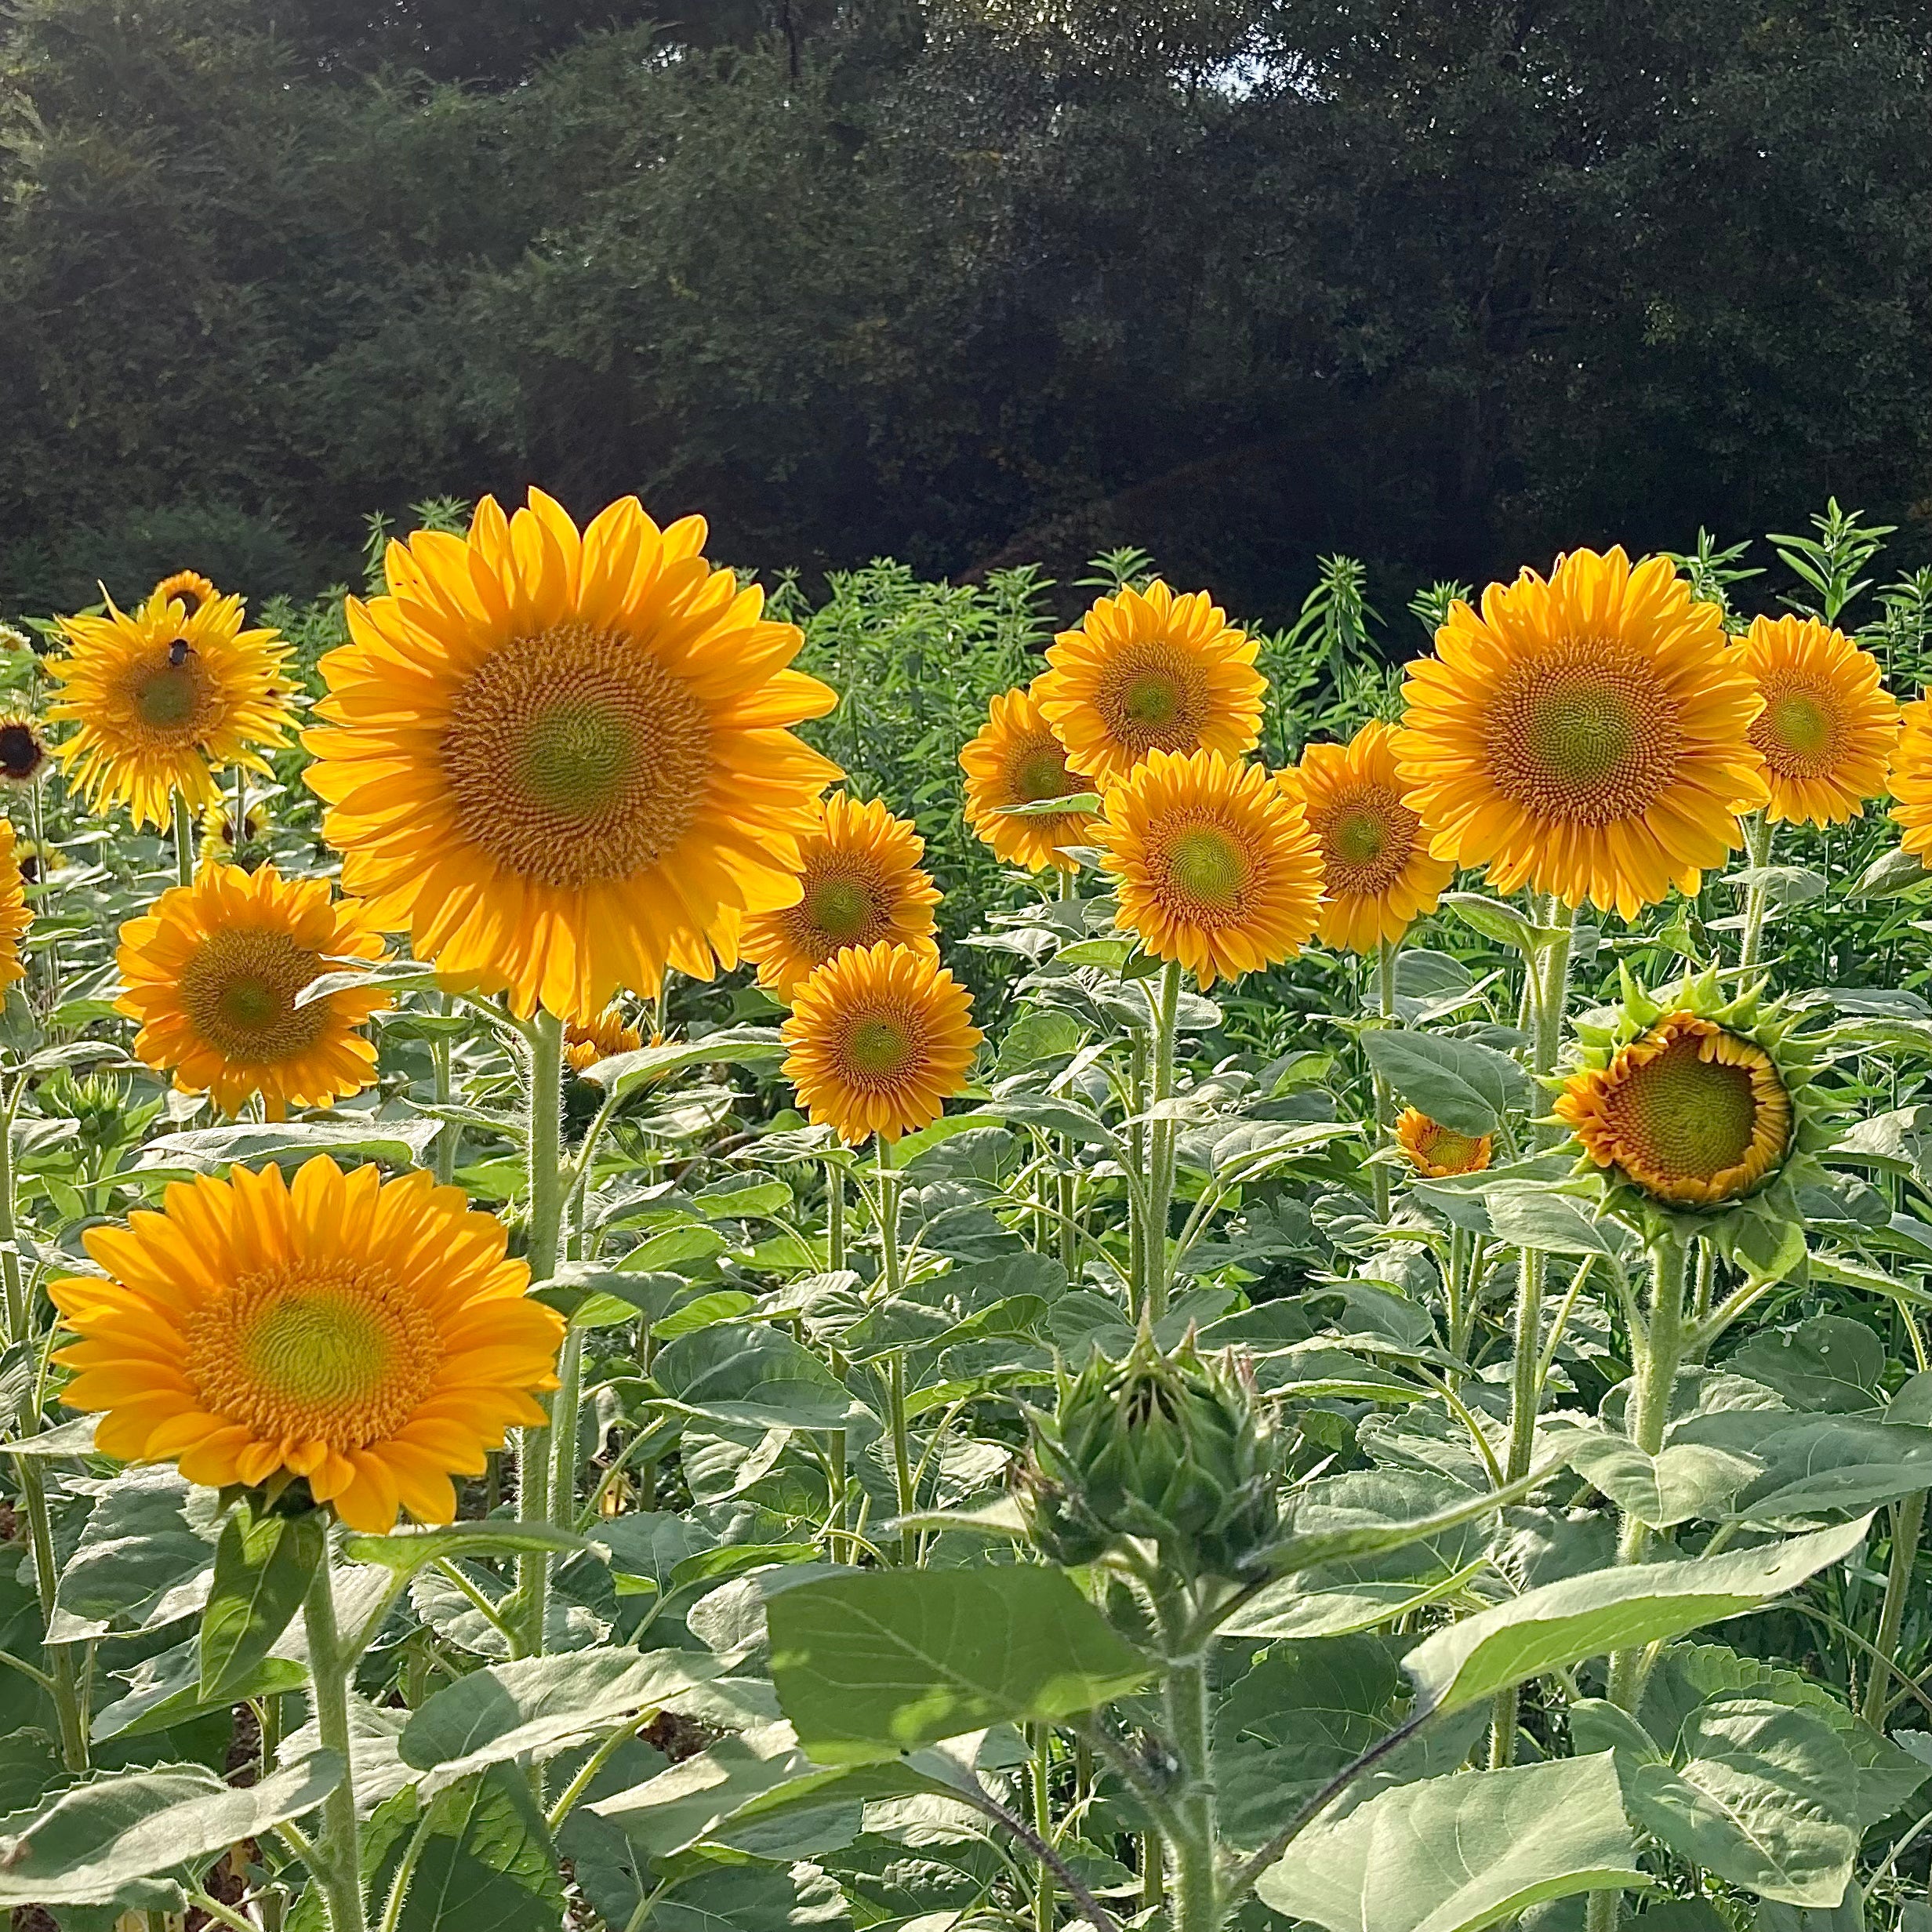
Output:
x=1170 y=1451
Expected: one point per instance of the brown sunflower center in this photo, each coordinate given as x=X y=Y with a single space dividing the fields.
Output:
x=238 y=989
x=1152 y=697
x=22 y=754
x=1797 y=733
x=1681 y=1117
x=296 y=1352
x=1582 y=734
x=1367 y=838
x=575 y=757
x=1039 y=772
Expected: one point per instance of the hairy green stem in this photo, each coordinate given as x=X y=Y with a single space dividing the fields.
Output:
x=1385 y=1006
x=1908 y=1524
x=338 y=1867
x=1757 y=839
x=1044 y=1913
x=534 y=1499
x=183 y=840
x=889 y=1276
x=1193 y=1892
x=1160 y=1171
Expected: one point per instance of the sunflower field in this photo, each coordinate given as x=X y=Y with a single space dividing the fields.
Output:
x=678 y=1261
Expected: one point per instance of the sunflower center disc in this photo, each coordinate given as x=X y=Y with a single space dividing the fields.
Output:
x=20 y=754
x=1685 y=1117
x=1207 y=867
x=1152 y=698
x=238 y=989
x=1447 y=1149
x=878 y=1048
x=1042 y=773
x=1366 y=842
x=574 y=756
x=1796 y=734
x=341 y=1355
x=1582 y=735
x=167 y=699
x=840 y=909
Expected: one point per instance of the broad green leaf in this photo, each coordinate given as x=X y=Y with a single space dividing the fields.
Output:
x=1466 y=1085
x=751 y=1898
x=1562 y=1623
x=70 y=1439
x=488 y=1864
x=90 y=1842
x=731 y=1046
x=1455 y=1854
x=1526 y=1216
x=215 y=1149
x=409 y=1550
x=262 y=1569
x=870 y=1664
x=145 y=1558
x=1763 y=1795
x=751 y=1373
x=1829 y=1364
x=1846 y=1462
x=683 y=1805
x=1683 y=1481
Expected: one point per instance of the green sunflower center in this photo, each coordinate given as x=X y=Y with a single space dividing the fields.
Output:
x=1797 y=733
x=574 y=756
x=1150 y=699
x=840 y=908
x=1042 y=773
x=238 y=989
x=166 y=700
x=1683 y=1117
x=879 y=1047
x=1153 y=696
x=1207 y=865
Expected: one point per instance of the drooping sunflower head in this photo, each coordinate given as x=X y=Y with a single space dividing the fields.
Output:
x=1826 y=733
x=859 y=884
x=189 y=589
x=25 y=759
x=1437 y=1151
x=1148 y=671
x=14 y=917
x=212 y=975
x=165 y=697
x=369 y=1337
x=1588 y=735
x=1016 y=760
x=586 y=1042
x=1378 y=875
x=881 y=1037
x=1213 y=865
x=560 y=760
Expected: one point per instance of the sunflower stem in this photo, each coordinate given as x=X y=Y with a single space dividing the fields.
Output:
x=895 y=1363
x=1385 y=1006
x=339 y=1859
x=534 y=1497
x=1757 y=839
x=1908 y=1525
x=184 y=839
x=1154 y=1257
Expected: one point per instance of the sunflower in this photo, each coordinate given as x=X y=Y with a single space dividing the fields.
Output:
x=1148 y=671
x=880 y=1036
x=561 y=761
x=1378 y=873
x=368 y=1336
x=24 y=757
x=1215 y=866
x=586 y=1042
x=212 y=973
x=216 y=845
x=189 y=589
x=1437 y=1151
x=1016 y=760
x=1587 y=736
x=1911 y=777
x=165 y=697
x=859 y=884
x=14 y=916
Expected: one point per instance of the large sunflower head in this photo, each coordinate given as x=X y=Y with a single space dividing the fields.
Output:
x=25 y=759
x=1378 y=876
x=1911 y=777
x=881 y=1036
x=1826 y=733
x=1148 y=671
x=1016 y=760
x=369 y=1337
x=212 y=973
x=1213 y=865
x=165 y=697
x=859 y=884
x=1437 y=1152
x=561 y=760
x=1587 y=736
x=14 y=916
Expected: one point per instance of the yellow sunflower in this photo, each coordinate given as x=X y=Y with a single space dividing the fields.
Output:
x=216 y=845
x=1829 y=725
x=212 y=973
x=189 y=589
x=1689 y=1113
x=860 y=884
x=1016 y=760
x=560 y=762
x=368 y=1336
x=14 y=916
x=1911 y=777
x=165 y=697
x=586 y=1042
x=1586 y=736
x=24 y=757
x=1215 y=866
x=881 y=1036
x=1378 y=875
x=1436 y=1151
x=1148 y=671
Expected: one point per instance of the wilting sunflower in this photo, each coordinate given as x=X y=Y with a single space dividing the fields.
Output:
x=14 y=916
x=1828 y=724
x=1587 y=736
x=369 y=1337
x=1437 y=1151
x=1148 y=671
x=1214 y=864
x=212 y=973
x=859 y=884
x=24 y=757
x=880 y=1036
x=1016 y=760
x=1377 y=872
x=586 y=1042
x=163 y=697
x=562 y=761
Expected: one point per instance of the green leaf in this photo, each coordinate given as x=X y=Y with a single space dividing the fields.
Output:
x=145 y=1558
x=1562 y=1623
x=731 y=1046
x=1454 y=1854
x=91 y=1841
x=1465 y=1085
x=409 y=1550
x=1828 y=1364
x=1847 y=1462
x=215 y=1149
x=871 y=1665
x=262 y=1569
x=683 y=1805
x=751 y=1373
x=1684 y=1481
x=1526 y=1216
x=488 y=1865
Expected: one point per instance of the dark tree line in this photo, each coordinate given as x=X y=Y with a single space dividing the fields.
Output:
x=1444 y=283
